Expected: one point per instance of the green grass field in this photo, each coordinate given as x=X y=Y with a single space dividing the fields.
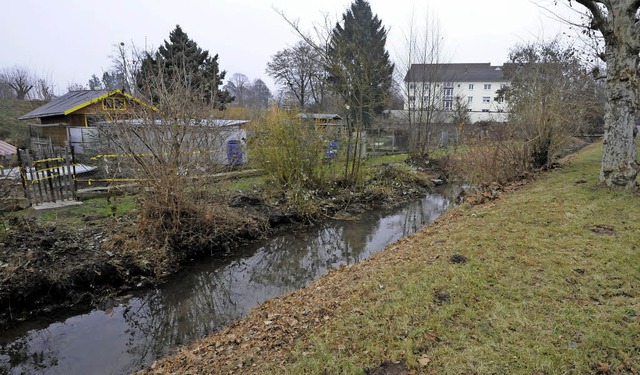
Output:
x=551 y=286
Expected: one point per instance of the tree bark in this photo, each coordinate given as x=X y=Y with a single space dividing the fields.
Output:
x=619 y=166
x=616 y=20
x=619 y=154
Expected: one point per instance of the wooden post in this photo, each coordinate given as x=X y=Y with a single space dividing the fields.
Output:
x=49 y=179
x=60 y=178
x=23 y=178
x=73 y=176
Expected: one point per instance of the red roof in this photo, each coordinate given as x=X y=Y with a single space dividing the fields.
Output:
x=7 y=149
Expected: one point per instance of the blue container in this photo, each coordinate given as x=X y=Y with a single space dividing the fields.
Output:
x=332 y=150
x=234 y=152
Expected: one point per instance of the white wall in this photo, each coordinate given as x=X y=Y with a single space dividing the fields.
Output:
x=483 y=105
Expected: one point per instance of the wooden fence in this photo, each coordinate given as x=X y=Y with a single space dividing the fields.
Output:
x=48 y=174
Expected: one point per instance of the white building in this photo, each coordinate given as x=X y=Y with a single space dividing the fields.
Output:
x=447 y=88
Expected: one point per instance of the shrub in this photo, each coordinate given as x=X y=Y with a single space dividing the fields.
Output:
x=291 y=151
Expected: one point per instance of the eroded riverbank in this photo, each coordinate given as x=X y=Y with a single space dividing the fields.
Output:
x=206 y=297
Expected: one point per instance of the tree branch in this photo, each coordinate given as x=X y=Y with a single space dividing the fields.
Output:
x=597 y=15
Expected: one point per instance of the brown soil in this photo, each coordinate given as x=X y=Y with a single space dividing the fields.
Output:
x=45 y=268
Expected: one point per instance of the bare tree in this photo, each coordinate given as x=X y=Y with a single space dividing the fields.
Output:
x=617 y=23
x=358 y=70
x=44 y=89
x=239 y=87
x=422 y=69
x=20 y=79
x=247 y=94
x=551 y=96
x=300 y=70
x=6 y=92
x=75 y=86
x=260 y=95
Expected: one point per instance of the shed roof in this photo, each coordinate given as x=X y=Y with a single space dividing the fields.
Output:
x=7 y=149
x=225 y=122
x=71 y=102
x=320 y=116
x=458 y=72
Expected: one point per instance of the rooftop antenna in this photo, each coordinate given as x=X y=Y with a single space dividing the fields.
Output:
x=124 y=67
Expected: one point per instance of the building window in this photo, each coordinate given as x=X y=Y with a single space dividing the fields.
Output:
x=502 y=85
x=470 y=99
x=500 y=99
x=471 y=86
x=114 y=104
x=487 y=86
x=425 y=99
x=486 y=99
x=448 y=84
x=448 y=93
x=447 y=105
x=412 y=86
x=485 y=110
x=412 y=99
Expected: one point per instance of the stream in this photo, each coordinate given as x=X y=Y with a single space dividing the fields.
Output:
x=130 y=332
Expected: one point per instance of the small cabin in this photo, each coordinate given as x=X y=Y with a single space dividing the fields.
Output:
x=63 y=119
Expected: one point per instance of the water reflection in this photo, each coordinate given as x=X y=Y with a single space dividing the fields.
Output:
x=205 y=297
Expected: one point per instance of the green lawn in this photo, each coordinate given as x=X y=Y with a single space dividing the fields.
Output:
x=551 y=286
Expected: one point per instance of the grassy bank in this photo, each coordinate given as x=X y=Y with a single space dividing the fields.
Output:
x=543 y=280
x=11 y=130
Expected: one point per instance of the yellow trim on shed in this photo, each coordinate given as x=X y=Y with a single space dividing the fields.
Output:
x=101 y=97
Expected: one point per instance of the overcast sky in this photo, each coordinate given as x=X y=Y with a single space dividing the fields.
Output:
x=68 y=40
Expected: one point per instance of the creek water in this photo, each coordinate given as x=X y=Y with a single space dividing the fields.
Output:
x=132 y=331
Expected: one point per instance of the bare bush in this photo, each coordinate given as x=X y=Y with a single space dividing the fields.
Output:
x=552 y=96
x=174 y=149
x=489 y=160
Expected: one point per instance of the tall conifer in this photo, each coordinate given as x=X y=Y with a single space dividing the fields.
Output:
x=181 y=61
x=358 y=63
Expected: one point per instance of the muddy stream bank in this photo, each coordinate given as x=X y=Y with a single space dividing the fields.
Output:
x=127 y=333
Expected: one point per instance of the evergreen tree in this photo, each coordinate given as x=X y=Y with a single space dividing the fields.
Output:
x=181 y=61
x=358 y=64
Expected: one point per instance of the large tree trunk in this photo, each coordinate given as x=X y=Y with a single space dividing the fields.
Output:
x=619 y=155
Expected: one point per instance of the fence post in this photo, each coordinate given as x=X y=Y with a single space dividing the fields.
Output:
x=393 y=141
x=23 y=177
x=74 y=186
x=49 y=178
